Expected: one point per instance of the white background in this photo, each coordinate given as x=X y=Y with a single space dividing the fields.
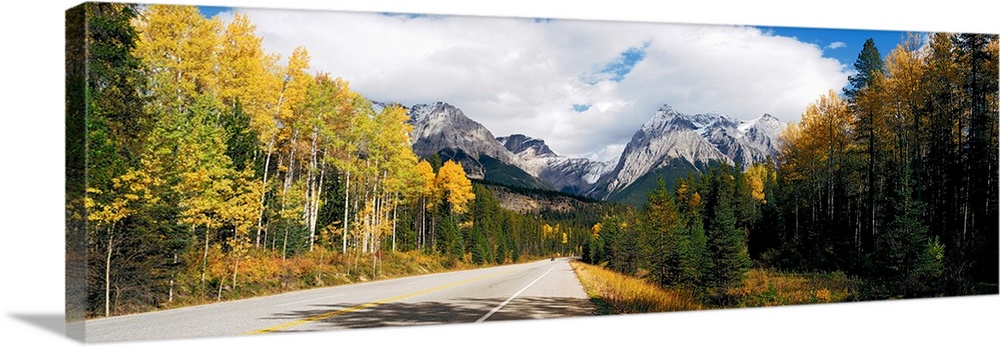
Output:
x=31 y=198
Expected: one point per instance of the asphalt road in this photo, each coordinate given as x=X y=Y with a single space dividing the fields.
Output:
x=542 y=289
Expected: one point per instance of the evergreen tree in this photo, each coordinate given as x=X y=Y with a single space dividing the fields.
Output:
x=696 y=262
x=503 y=247
x=725 y=242
x=666 y=243
x=862 y=98
x=480 y=248
x=868 y=65
x=909 y=261
x=241 y=140
x=450 y=237
x=621 y=246
x=593 y=250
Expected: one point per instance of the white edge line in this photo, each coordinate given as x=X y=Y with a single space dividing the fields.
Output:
x=496 y=309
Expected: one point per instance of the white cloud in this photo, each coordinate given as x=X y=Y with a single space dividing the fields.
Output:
x=836 y=44
x=518 y=76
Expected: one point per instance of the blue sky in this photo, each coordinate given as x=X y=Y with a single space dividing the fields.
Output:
x=842 y=44
x=211 y=11
x=621 y=66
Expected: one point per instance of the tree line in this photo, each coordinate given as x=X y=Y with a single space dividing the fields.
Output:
x=692 y=235
x=896 y=180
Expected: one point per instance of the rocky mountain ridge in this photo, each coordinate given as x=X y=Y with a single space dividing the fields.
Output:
x=668 y=140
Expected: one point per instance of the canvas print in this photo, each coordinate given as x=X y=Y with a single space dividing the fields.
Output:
x=243 y=171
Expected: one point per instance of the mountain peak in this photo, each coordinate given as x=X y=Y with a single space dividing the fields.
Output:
x=518 y=143
x=420 y=112
x=663 y=117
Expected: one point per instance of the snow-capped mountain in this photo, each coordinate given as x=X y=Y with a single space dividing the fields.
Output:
x=519 y=143
x=441 y=126
x=668 y=143
x=568 y=175
x=443 y=129
x=749 y=142
x=693 y=139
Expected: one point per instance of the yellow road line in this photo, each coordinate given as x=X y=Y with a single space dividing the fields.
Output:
x=298 y=322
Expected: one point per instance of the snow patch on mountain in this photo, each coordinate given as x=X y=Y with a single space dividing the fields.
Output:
x=698 y=138
x=571 y=175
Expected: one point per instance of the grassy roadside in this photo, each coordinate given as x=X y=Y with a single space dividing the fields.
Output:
x=616 y=293
x=773 y=288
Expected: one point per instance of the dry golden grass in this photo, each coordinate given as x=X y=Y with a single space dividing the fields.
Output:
x=615 y=293
x=771 y=288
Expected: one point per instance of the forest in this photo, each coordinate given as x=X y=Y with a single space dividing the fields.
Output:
x=892 y=182
x=213 y=172
x=209 y=170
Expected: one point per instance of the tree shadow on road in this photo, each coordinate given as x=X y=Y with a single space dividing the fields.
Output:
x=462 y=310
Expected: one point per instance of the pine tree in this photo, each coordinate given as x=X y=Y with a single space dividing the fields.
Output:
x=863 y=100
x=696 y=262
x=593 y=250
x=868 y=65
x=909 y=261
x=450 y=237
x=480 y=248
x=725 y=242
x=666 y=242
x=621 y=245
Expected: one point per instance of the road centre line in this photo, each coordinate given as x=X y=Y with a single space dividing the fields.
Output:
x=496 y=309
x=302 y=321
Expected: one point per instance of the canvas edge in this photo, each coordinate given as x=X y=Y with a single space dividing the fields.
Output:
x=75 y=164
x=76 y=52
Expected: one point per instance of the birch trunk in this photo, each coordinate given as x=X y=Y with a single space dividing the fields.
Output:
x=173 y=275
x=423 y=222
x=310 y=197
x=289 y=177
x=236 y=270
x=267 y=165
x=204 y=258
x=218 y=293
x=107 y=273
x=347 y=197
x=314 y=215
x=263 y=193
x=394 y=227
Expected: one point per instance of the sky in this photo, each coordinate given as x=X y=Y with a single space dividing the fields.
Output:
x=843 y=44
x=583 y=86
